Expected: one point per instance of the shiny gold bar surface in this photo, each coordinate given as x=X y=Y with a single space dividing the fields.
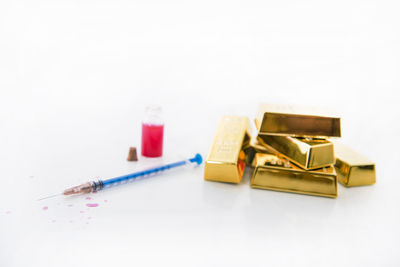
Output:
x=227 y=158
x=307 y=153
x=275 y=173
x=353 y=169
x=296 y=121
x=254 y=147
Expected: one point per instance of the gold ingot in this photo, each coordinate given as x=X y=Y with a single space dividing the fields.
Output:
x=296 y=121
x=276 y=173
x=353 y=169
x=307 y=153
x=254 y=147
x=227 y=157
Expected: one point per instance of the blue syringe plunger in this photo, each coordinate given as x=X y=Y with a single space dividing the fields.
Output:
x=197 y=159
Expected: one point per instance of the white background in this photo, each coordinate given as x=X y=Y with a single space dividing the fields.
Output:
x=76 y=75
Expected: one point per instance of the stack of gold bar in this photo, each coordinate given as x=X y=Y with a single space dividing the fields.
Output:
x=302 y=158
x=291 y=152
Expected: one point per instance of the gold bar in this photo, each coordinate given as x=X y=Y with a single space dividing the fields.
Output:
x=227 y=158
x=275 y=173
x=307 y=153
x=254 y=147
x=353 y=169
x=296 y=121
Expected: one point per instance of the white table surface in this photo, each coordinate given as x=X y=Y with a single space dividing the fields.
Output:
x=75 y=77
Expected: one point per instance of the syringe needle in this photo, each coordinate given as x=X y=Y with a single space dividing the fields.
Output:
x=48 y=197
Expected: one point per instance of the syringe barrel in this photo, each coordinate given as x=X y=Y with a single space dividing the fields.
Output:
x=125 y=178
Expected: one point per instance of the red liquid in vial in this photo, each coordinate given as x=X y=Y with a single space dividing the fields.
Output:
x=152 y=140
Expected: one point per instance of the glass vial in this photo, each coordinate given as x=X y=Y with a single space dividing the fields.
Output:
x=152 y=132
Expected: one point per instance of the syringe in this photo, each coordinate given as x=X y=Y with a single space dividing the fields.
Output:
x=101 y=184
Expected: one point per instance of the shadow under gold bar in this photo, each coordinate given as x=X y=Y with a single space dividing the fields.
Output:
x=275 y=173
x=353 y=169
x=227 y=158
x=296 y=121
x=307 y=153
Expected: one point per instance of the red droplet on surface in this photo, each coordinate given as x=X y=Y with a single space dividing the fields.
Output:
x=92 y=205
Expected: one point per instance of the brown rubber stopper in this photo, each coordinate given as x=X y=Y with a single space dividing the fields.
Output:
x=132 y=156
